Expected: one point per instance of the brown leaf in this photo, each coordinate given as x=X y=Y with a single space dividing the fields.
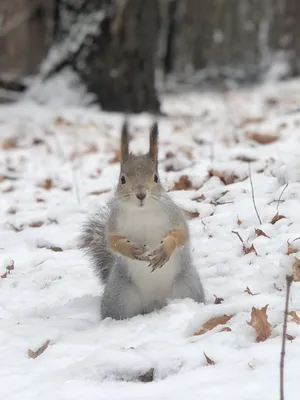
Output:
x=218 y=300
x=184 y=183
x=9 y=143
x=295 y=317
x=11 y=266
x=36 y=224
x=262 y=138
x=47 y=184
x=290 y=337
x=290 y=249
x=191 y=214
x=170 y=154
x=55 y=248
x=251 y=120
x=225 y=329
x=296 y=269
x=259 y=232
x=99 y=192
x=276 y=218
x=247 y=290
x=246 y=159
x=4 y=275
x=248 y=250
x=39 y=351
x=209 y=361
x=61 y=121
x=238 y=221
x=198 y=198
x=226 y=178
x=212 y=323
x=259 y=321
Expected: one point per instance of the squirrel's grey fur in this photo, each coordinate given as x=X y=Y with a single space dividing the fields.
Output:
x=131 y=287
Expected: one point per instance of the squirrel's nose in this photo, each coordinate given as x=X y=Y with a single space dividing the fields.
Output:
x=140 y=196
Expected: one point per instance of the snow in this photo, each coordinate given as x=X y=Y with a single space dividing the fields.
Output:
x=53 y=295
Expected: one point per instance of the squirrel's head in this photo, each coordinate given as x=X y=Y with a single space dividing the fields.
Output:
x=139 y=181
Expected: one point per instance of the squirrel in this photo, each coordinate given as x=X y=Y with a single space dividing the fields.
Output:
x=139 y=242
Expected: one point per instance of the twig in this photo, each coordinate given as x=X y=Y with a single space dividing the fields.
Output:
x=279 y=199
x=289 y=280
x=253 y=197
x=238 y=235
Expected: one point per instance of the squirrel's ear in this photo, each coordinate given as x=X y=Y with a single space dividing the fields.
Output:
x=124 y=150
x=153 y=146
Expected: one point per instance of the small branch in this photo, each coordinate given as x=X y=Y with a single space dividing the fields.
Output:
x=279 y=199
x=238 y=235
x=289 y=280
x=253 y=197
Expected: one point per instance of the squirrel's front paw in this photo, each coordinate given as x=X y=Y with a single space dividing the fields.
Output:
x=161 y=255
x=134 y=251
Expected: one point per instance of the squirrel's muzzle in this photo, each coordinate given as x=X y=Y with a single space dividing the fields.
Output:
x=140 y=196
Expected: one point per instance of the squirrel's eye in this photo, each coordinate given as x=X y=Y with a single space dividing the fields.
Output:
x=123 y=180
x=155 y=178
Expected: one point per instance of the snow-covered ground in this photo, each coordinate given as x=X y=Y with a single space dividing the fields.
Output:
x=58 y=162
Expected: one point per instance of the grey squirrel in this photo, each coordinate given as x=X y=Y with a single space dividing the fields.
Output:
x=139 y=243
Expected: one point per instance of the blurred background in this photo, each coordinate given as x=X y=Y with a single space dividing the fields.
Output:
x=126 y=53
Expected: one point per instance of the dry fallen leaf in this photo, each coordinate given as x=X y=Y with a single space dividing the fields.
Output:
x=296 y=269
x=38 y=352
x=225 y=177
x=9 y=143
x=250 y=249
x=212 y=323
x=184 y=183
x=198 y=198
x=295 y=317
x=247 y=290
x=259 y=232
x=4 y=275
x=218 y=300
x=191 y=214
x=259 y=321
x=290 y=249
x=262 y=138
x=290 y=337
x=209 y=361
x=276 y=218
x=47 y=184
x=170 y=154
x=245 y=158
x=252 y=120
x=36 y=224
x=99 y=192
x=225 y=329
x=238 y=221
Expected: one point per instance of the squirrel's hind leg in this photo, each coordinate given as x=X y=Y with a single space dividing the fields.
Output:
x=121 y=299
x=188 y=284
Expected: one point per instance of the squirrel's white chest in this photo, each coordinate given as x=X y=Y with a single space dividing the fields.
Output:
x=149 y=228
x=144 y=227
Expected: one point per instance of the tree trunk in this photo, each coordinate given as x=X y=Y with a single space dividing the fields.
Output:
x=26 y=32
x=120 y=66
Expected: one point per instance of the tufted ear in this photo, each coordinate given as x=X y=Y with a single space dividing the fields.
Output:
x=153 y=143
x=124 y=149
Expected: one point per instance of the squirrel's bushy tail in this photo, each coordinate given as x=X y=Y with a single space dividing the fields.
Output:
x=93 y=242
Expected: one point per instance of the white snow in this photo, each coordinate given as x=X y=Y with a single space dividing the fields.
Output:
x=53 y=295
